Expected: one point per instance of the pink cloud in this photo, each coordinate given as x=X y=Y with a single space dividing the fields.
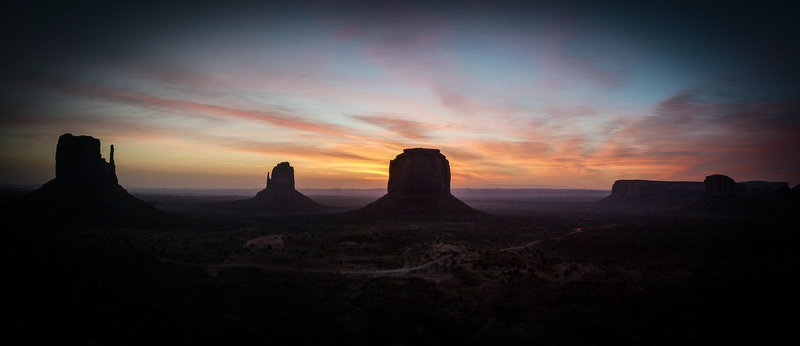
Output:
x=410 y=129
x=689 y=136
x=271 y=118
x=291 y=150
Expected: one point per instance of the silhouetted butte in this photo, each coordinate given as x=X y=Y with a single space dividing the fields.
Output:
x=280 y=194
x=419 y=186
x=86 y=188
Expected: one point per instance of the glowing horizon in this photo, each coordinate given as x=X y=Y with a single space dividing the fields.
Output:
x=512 y=96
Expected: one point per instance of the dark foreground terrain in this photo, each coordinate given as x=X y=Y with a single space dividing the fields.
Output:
x=543 y=272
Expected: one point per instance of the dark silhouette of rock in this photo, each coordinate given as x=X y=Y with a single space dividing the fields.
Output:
x=282 y=177
x=648 y=193
x=86 y=189
x=78 y=161
x=419 y=171
x=419 y=186
x=794 y=198
x=762 y=191
x=720 y=187
x=280 y=194
x=721 y=195
x=717 y=193
x=724 y=195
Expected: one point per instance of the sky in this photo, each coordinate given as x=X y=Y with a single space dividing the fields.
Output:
x=210 y=95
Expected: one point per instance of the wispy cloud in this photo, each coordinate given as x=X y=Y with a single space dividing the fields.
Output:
x=524 y=95
x=402 y=126
x=692 y=133
x=193 y=108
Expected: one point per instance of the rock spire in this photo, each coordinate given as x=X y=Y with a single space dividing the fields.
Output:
x=280 y=194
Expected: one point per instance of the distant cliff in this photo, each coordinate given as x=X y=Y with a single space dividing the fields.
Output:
x=655 y=193
x=716 y=193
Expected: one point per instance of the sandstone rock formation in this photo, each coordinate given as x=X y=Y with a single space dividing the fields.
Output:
x=720 y=187
x=86 y=188
x=718 y=193
x=419 y=172
x=419 y=186
x=280 y=194
x=660 y=194
x=722 y=195
x=78 y=161
x=282 y=177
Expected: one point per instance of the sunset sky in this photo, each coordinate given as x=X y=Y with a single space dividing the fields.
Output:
x=201 y=96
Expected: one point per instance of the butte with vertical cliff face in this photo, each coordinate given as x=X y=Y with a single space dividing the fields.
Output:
x=280 y=194
x=86 y=186
x=419 y=186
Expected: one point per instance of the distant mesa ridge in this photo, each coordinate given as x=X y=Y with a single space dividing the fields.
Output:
x=419 y=185
x=654 y=193
x=716 y=192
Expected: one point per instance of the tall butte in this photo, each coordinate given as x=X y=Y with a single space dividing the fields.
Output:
x=419 y=186
x=280 y=193
x=86 y=187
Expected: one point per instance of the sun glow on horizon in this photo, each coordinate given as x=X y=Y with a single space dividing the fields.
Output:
x=511 y=96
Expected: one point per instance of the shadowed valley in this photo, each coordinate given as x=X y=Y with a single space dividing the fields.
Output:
x=648 y=263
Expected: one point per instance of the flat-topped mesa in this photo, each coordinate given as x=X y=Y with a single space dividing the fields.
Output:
x=639 y=193
x=419 y=172
x=716 y=193
x=282 y=177
x=78 y=161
